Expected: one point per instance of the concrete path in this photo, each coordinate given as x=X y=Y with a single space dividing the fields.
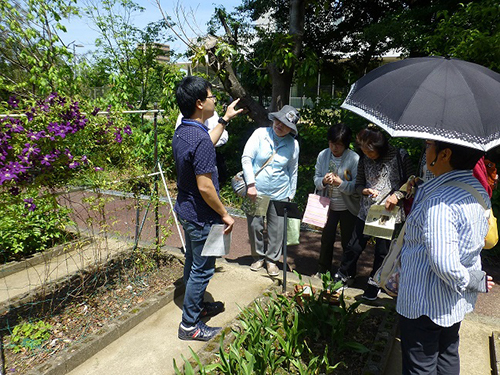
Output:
x=150 y=347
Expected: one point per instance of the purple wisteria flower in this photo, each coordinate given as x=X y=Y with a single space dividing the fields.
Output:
x=4 y=138
x=35 y=136
x=6 y=175
x=24 y=159
x=68 y=154
x=59 y=130
x=95 y=111
x=97 y=169
x=84 y=159
x=29 y=205
x=51 y=98
x=30 y=115
x=3 y=154
x=127 y=130
x=15 y=125
x=118 y=135
x=43 y=106
x=13 y=102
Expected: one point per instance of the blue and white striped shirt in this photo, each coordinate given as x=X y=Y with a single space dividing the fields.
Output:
x=444 y=236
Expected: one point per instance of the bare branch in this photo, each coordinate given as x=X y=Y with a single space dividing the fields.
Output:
x=229 y=33
x=171 y=27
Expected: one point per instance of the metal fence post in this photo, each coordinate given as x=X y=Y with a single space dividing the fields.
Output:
x=157 y=221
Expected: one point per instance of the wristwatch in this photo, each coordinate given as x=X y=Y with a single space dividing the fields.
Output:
x=222 y=121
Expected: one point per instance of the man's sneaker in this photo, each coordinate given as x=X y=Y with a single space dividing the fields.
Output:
x=199 y=332
x=257 y=265
x=212 y=309
x=272 y=269
x=371 y=291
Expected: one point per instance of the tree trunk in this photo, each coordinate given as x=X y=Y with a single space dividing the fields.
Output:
x=232 y=85
x=283 y=79
x=281 y=84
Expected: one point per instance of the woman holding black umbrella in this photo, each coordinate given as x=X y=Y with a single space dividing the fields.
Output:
x=441 y=273
x=454 y=104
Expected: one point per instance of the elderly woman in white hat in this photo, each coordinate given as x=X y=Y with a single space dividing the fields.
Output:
x=270 y=164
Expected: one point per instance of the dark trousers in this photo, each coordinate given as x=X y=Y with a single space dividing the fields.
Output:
x=355 y=248
x=428 y=348
x=347 y=222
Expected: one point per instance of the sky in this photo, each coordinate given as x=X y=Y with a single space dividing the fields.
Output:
x=80 y=32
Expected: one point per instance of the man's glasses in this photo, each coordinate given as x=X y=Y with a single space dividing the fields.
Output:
x=213 y=97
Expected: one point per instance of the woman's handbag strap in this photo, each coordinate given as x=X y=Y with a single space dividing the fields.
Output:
x=266 y=163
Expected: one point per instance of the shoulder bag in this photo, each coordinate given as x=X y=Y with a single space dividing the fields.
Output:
x=238 y=181
x=491 y=238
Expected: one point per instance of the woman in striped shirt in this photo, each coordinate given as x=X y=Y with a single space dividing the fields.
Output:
x=440 y=261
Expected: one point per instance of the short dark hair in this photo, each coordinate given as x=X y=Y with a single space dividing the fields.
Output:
x=461 y=157
x=189 y=90
x=340 y=133
x=373 y=139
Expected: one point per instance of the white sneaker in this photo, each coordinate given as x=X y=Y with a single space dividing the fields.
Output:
x=257 y=265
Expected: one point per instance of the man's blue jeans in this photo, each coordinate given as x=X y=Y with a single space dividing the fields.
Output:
x=198 y=270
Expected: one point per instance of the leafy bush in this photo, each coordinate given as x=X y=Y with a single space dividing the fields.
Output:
x=144 y=143
x=45 y=145
x=31 y=225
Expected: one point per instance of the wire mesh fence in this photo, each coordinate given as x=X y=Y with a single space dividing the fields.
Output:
x=112 y=263
x=107 y=260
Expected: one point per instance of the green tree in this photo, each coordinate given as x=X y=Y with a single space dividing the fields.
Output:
x=470 y=33
x=128 y=54
x=33 y=59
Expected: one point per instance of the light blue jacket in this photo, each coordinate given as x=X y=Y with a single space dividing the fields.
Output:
x=349 y=168
x=278 y=179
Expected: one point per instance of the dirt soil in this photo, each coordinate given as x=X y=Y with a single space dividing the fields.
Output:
x=80 y=312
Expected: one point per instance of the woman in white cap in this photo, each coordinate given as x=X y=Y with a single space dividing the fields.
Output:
x=270 y=163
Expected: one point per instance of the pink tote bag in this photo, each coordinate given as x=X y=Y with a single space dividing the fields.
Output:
x=316 y=211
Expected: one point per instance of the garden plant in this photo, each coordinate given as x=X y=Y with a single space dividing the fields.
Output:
x=306 y=332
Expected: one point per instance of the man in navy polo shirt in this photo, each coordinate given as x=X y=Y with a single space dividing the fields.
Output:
x=198 y=205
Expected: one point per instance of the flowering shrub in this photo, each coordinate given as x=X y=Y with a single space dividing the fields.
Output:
x=52 y=141
x=44 y=146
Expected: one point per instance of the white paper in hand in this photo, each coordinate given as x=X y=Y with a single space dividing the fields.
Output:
x=217 y=243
